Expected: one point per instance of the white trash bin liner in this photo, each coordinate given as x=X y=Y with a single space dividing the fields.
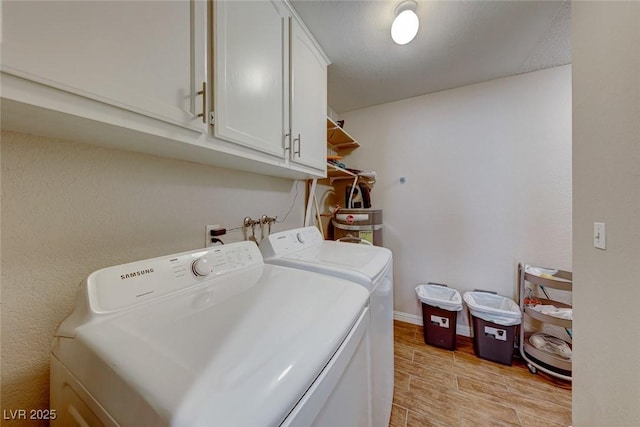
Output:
x=493 y=308
x=439 y=296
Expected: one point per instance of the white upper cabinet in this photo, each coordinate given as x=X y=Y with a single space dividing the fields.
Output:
x=308 y=100
x=270 y=91
x=250 y=90
x=144 y=56
x=132 y=74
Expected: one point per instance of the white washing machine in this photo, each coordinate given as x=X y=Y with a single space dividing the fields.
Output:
x=212 y=338
x=370 y=267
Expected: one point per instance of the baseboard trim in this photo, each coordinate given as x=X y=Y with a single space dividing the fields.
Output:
x=407 y=318
x=463 y=330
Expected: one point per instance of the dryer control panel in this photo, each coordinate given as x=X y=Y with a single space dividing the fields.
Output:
x=287 y=242
x=119 y=287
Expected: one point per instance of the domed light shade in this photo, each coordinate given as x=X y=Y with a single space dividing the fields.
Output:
x=405 y=25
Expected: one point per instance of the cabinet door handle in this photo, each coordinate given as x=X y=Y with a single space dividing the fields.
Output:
x=203 y=92
x=299 y=145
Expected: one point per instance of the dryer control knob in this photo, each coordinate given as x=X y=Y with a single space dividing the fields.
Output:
x=300 y=237
x=200 y=267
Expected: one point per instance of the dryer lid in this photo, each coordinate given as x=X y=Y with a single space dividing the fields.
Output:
x=304 y=248
x=359 y=263
x=240 y=351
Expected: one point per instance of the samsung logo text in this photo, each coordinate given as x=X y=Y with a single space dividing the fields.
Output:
x=136 y=274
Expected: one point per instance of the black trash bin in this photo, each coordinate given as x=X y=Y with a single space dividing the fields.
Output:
x=440 y=306
x=495 y=320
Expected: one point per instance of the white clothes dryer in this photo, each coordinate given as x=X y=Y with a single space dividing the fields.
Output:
x=370 y=267
x=213 y=337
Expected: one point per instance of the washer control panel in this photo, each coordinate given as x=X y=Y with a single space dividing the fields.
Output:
x=287 y=242
x=118 y=287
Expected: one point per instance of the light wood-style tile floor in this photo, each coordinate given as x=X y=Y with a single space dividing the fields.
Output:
x=435 y=387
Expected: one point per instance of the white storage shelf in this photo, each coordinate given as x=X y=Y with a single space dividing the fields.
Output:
x=538 y=359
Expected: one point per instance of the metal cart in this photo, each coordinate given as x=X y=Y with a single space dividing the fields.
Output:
x=533 y=286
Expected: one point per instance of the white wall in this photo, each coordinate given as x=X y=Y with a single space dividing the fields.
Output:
x=488 y=170
x=606 y=159
x=69 y=209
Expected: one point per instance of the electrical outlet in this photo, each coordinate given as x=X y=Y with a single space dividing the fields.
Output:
x=207 y=238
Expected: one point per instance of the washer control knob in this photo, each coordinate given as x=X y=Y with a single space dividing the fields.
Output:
x=300 y=237
x=200 y=267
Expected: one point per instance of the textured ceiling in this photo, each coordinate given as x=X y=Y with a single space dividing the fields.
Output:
x=458 y=43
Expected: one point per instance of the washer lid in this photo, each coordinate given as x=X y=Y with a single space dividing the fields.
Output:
x=239 y=351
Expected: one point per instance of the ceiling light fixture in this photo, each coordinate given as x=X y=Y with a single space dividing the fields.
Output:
x=405 y=25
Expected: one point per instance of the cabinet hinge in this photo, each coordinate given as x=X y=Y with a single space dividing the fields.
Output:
x=211 y=118
x=287 y=145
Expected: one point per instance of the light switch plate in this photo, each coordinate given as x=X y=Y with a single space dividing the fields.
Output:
x=599 y=235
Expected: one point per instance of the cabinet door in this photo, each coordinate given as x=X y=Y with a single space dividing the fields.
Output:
x=250 y=74
x=308 y=100
x=144 y=56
